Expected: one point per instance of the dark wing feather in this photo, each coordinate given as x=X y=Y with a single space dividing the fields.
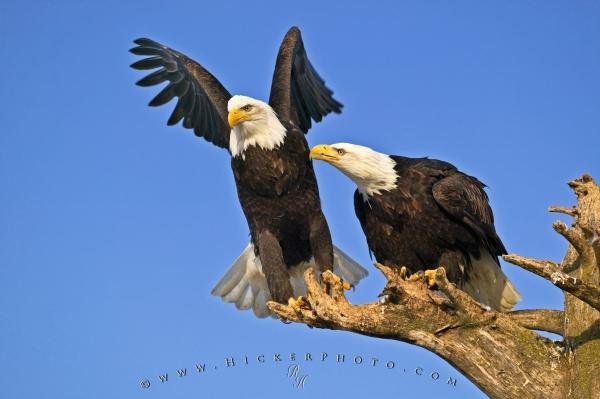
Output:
x=464 y=199
x=201 y=99
x=359 y=210
x=298 y=93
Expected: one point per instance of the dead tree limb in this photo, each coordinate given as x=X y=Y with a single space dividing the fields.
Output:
x=499 y=352
x=540 y=319
x=553 y=273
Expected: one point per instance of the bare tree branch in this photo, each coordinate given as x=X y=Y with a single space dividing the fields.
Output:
x=582 y=322
x=491 y=349
x=553 y=273
x=461 y=300
x=572 y=211
x=539 y=319
x=587 y=257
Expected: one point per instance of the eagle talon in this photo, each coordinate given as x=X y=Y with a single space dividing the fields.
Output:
x=430 y=278
x=416 y=276
x=299 y=304
x=347 y=286
x=403 y=272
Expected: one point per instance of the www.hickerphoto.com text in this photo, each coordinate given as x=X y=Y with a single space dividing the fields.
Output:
x=292 y=361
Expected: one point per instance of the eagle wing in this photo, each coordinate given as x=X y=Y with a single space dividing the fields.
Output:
x=298 y=93
x=360 y=211
x=202 y=100
x=464 y=200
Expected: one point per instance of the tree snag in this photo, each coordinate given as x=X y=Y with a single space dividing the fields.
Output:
x=501 y=353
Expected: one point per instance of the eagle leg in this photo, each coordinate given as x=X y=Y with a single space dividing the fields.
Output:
x=320 y=244
x=271 y=257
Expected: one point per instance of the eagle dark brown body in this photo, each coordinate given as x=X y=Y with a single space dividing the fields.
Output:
x=278 y=193
x=421 y=214
x=435 y=216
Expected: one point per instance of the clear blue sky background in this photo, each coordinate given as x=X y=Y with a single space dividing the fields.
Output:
x=114 y=227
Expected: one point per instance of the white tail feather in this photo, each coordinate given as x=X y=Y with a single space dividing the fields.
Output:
x=346 y=268
x=489 y=285
x=245 y=284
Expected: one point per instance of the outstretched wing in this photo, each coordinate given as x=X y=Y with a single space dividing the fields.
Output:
x=298 y=93
x=202 y=100
x=464 y=199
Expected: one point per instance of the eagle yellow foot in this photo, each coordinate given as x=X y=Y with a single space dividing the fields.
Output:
x=416 y=276
x=430 y=277
x=299 y=304
x=347 y=286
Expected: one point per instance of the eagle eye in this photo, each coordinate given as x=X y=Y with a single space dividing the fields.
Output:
x=340 y=151
x=246 y=107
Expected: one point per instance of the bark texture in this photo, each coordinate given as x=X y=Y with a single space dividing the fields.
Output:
x=501 y=353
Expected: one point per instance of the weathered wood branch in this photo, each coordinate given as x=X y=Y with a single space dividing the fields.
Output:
x=582 y=322
x=498 y=352
x=540 y=319
x=572 y=211
x=587 y=257
x=553 y=273
x=490 y=348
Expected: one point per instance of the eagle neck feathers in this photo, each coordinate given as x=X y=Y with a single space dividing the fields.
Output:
x=375 y=176
x=267 y=133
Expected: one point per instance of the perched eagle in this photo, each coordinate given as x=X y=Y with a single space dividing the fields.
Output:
x=274 y=176
x=423 y=213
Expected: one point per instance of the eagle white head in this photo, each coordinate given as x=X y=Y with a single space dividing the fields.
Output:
x=372 y=171
x=252 y=122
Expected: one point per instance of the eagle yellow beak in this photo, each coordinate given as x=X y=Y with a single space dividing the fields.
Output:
x=236 y=116
x=324 y=152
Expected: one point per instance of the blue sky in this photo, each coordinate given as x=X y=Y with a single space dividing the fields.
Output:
x=114 y=227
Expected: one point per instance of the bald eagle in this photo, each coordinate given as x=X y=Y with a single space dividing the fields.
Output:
x=423 y=213
x=274 y=176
